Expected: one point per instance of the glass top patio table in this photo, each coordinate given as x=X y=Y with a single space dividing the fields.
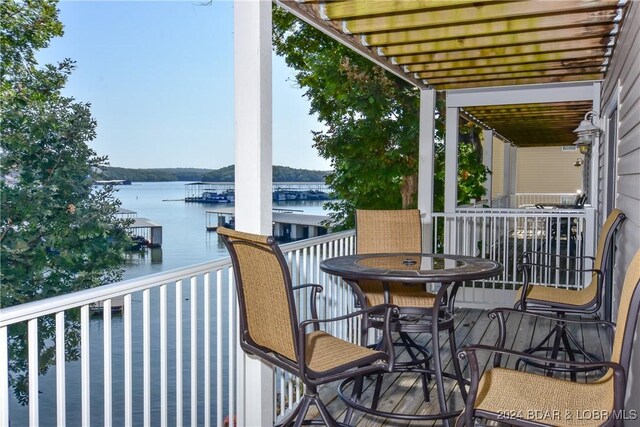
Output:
x=411 y=267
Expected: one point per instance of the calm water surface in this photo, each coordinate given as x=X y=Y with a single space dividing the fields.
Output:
x=185 y=242
x=185 y=239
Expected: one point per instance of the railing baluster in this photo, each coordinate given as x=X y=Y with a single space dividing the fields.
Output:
x=4 y=375
x=219 y=344
x=164 y=399
x=128 y=395
x=32 y=331
x=107 y=368
x=146 y=357
x=207 y=349
x=85 y=365
x=236 y=376
x=193 y=326
x=179 y=392
x=61 y=401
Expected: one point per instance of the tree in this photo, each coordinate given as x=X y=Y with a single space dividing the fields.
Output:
x=372 y=124
x=58 y=233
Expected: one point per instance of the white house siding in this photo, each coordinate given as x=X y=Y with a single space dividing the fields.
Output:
x=548 y=170
x=623 y=81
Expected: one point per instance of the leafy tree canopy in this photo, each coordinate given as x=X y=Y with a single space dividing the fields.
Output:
x=58 y=234
x=372 y=124
x=225 y=174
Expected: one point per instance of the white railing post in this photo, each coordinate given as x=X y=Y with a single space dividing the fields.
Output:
x=253 y=176
x=589 y=244
x=426 y=164
x=487 y=160
x=451 y=176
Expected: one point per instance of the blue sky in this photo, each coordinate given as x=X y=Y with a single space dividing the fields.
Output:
x=159 y=77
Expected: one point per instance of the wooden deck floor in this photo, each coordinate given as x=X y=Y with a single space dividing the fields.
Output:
x=403 y=392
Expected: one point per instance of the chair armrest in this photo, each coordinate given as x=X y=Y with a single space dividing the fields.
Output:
x=361 y=312
x=315 y=290
x=494 y=313
x=318 y=288
x=389 y=311
x=469 y=353
x=463 y=352
x=576 y=270
x=526 y=253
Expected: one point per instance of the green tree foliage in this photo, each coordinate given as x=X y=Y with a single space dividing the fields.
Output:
x=372 y=124
x=225 y=174
x=58 y=233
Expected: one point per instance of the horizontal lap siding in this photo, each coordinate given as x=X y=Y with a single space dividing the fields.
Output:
x=625 y=69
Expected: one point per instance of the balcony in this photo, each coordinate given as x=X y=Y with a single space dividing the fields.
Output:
x=170 y=357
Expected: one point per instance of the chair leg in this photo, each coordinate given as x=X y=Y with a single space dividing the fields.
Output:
x=356 y=393
x=306 y=402
x=376 y=392
x=290 y=419
x=324 y=413
x=570 y=354
x=456 y=364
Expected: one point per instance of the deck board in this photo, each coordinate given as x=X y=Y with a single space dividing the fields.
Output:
x=404 y=392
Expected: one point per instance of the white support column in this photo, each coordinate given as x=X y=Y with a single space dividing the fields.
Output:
x=506 y=173
x=451 y=176
x=487 y=160
x=592 y=179
x=426 y=170
x=252 y=74
x=513 y=171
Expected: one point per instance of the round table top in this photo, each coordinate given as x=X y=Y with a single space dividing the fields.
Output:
x=411 y=267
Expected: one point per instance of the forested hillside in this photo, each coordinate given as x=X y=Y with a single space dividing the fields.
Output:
x=225 y=174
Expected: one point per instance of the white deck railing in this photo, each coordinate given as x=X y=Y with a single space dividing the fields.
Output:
x=503 y=234
x=169 y=358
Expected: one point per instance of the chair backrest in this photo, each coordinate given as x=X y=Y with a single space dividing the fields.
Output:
x=385 y=231
x=580 y=201
x=603 y=252
x=265 y=296
x=627 y=315
x=606 y=238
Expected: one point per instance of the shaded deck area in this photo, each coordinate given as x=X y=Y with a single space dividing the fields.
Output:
x=403 y=392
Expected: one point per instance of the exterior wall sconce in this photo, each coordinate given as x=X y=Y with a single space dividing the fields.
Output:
x=587 y=132
x=578 y=162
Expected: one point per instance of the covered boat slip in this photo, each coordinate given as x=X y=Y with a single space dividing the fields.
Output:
x=288 y=224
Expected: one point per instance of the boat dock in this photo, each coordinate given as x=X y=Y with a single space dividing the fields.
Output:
x=224 y=192
x=288 y=224
x=143 y=231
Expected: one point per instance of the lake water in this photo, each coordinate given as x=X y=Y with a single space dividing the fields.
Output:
x=185 y=242
x=185 y=239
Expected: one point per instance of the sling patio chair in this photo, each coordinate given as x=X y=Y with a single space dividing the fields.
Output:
x=529 y=399
x=270 y=328
x=400 y=231
x=539 y=298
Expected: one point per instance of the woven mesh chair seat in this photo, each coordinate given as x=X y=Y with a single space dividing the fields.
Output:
x=550 y=295
x=400 y=294
x=325 y=352
x=544 y=399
